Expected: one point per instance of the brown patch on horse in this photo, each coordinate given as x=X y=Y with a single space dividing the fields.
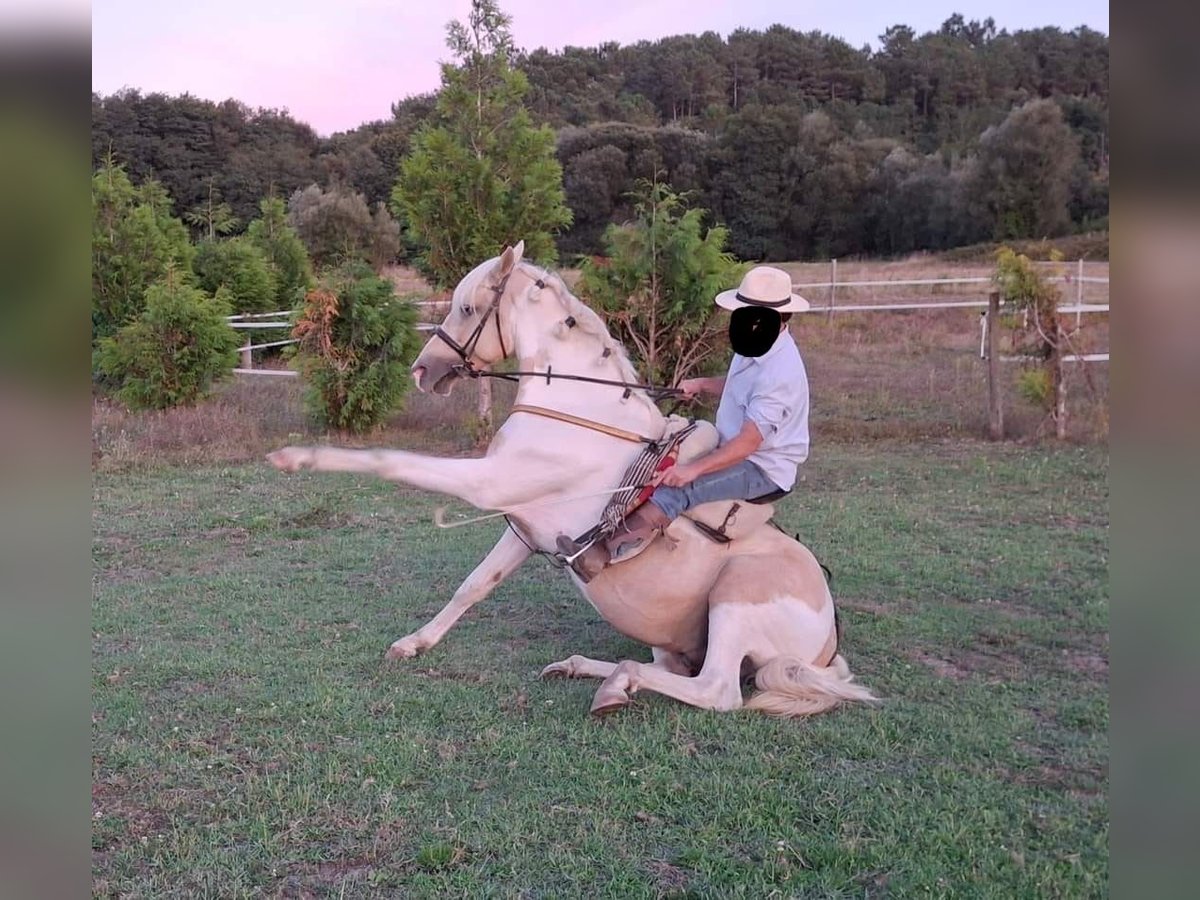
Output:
x=757 y=573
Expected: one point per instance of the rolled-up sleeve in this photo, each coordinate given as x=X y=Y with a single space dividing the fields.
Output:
x=768 y=408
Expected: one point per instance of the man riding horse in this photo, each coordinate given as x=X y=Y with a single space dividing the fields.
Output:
x=762 y=421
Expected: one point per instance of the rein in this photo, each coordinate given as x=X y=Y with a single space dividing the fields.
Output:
x=656 y=392
x=466 y=368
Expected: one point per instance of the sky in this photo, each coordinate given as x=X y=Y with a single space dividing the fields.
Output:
x=338 y=63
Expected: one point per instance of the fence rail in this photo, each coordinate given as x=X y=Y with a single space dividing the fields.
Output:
x=931 y=282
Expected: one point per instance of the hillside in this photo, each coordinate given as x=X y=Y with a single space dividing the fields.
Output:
x=803 y=145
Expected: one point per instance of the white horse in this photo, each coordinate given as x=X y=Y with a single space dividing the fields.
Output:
x=713 y=613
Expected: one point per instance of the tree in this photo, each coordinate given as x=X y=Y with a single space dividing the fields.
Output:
x=1025 y=169
x=284 y=252
x=483 y=177
x=176 y=348
x=751 y=181
x=603 y=163
x=135 y=240
x=1039 y=331
x=356 y=342
x=337 y=227
x=212 y=218
x=239 y=268
x=657 y=282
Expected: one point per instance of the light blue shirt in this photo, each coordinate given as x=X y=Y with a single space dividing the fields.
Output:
x=772 y=392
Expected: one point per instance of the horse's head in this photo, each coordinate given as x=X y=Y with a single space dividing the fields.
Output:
x=478 y=329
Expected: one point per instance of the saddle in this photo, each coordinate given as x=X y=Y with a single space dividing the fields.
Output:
x=721 y=521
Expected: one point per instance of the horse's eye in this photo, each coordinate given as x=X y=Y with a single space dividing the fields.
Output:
x=468 y=310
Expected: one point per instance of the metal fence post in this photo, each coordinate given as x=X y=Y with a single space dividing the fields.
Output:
x=832 y=289
x=1078 y=293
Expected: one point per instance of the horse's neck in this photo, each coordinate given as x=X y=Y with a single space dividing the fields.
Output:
x=579 y=353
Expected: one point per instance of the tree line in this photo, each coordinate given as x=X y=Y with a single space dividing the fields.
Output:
x=801 y=145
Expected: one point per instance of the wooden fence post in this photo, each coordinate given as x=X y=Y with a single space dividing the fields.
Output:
x=1060 y=384
x=995 y=397
x=485 y=408
x=247 y=353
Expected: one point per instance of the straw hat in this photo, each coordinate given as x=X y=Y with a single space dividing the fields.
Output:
x=764 y=286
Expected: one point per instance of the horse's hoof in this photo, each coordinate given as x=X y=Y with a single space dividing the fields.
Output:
x=608 y=702
x=564 y=668
x=405 y=648
x=289 y=459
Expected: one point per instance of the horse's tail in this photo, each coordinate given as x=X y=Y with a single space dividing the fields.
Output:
x=789 y=687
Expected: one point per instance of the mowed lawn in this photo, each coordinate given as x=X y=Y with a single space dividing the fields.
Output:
x=250 y=739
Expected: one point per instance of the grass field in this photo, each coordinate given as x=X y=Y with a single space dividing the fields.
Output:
x=249 y=739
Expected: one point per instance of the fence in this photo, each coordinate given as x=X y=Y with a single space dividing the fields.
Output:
x=990 y=309
x=259 y=321
x=989 y=319
x=282 y=319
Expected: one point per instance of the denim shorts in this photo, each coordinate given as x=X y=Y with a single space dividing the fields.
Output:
x=741 y=481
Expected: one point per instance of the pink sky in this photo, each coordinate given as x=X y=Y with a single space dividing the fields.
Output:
x=336 y=64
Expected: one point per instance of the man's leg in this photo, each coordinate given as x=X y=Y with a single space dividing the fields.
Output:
x=741 y=481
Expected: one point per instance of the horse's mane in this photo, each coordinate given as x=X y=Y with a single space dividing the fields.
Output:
x=588 y=321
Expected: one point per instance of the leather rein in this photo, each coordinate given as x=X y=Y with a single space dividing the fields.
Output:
x=467 y=368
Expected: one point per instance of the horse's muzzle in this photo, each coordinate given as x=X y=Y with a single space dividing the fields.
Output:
x=438 y=379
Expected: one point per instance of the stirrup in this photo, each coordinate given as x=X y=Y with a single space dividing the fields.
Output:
x=570 y=549
x=582 y=558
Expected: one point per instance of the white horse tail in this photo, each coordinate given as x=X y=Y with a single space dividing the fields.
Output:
x=790 y=687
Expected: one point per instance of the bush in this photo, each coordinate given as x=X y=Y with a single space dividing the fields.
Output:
x=356 y=342
x=174 y=351
x=239 y=267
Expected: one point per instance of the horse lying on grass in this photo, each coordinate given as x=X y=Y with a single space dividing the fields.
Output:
x=712 y=613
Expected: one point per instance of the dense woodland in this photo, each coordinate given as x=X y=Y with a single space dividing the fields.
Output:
x=803 y=146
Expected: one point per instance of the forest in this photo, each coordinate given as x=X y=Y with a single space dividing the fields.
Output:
x=801 y=145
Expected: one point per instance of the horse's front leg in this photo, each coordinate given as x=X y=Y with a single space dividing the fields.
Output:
x=501 y=562
x=482 y=482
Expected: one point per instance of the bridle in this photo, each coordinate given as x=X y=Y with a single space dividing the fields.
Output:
x=466 y=350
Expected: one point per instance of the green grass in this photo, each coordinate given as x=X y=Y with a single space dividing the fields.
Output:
x=249 y=739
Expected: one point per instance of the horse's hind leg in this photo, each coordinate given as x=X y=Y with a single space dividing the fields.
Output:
x=510 y=551
x=717 y=686
x=583 y=667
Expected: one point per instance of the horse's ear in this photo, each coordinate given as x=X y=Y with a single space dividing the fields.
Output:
x=510 y=257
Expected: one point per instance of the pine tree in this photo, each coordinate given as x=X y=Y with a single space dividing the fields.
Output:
x=483 y=177
x=356 y=342
x=284 y=251
x=656 y=285
x=174 y=350
x=135 y=240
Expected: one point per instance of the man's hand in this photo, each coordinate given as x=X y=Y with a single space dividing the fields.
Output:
x=694 y=387
x=679 y=475
x=743 y=444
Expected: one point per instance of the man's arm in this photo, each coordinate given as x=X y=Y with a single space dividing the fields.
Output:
x=734 y=451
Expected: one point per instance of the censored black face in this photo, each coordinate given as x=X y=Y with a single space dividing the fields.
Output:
x=753 y=329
